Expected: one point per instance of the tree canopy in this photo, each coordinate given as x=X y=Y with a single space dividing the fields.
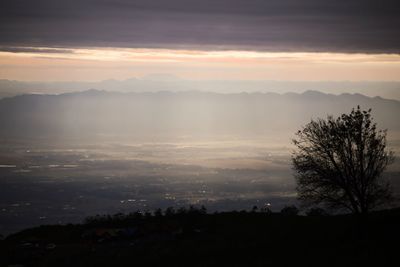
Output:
x=339 y=163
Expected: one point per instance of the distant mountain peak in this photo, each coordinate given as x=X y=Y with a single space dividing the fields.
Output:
x=164 y=77
x=314 y=93
x=92 y=92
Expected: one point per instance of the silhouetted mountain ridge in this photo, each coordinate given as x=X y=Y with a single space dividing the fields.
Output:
x=157 y=82
x=98 y=112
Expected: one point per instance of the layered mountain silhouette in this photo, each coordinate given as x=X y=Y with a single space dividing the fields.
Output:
x=102 y=113
x=167 y=82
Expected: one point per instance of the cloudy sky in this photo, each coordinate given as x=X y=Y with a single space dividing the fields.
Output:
x=208 y=39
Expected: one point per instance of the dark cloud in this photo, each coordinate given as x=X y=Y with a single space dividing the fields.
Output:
x=35 y=50
x=277 y=25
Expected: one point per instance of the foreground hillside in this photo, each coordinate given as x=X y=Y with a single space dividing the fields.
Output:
x=199 y=239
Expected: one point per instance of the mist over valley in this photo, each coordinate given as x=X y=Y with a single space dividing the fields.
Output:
x=65 y=157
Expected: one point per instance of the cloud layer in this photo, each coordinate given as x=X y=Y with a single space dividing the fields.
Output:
x=366 y=26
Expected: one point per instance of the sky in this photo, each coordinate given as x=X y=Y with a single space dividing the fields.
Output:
x=302 y=40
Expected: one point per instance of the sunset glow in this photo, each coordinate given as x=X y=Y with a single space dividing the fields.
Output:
x=122 y=63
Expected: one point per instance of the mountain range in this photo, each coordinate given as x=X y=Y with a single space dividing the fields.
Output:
x=96 y=113
x=166 y=82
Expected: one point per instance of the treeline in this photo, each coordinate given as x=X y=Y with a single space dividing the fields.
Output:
x=123 y=219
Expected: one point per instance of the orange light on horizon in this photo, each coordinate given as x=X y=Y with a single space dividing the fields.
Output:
x=127 y=62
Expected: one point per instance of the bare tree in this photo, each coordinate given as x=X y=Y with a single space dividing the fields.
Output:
x=340 y=161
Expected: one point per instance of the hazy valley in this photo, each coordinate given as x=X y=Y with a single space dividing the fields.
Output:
x=65 y=157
